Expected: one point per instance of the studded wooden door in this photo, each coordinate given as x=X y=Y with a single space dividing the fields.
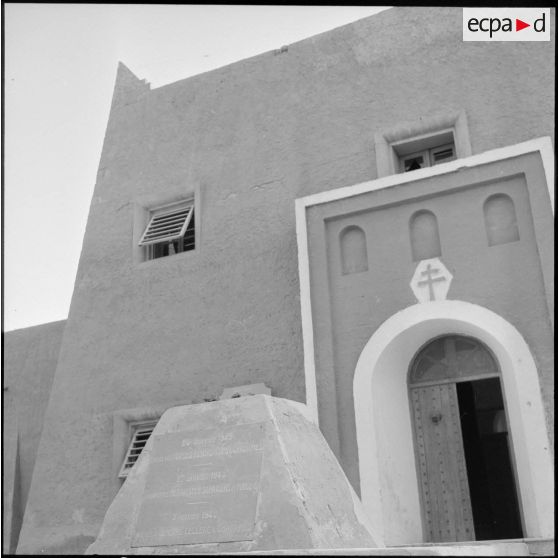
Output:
x=442 y=469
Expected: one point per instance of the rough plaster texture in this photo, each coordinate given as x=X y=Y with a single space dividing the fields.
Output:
x=305 y=499
x=30 y=358
x=248 y=139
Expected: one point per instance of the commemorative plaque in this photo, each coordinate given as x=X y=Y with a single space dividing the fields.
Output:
x=202 y=487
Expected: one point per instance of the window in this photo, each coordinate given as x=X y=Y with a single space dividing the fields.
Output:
x=431 y=140
x=425 y=151
x=171 y=230
x=428 y=158
x=140 y=433
x=452 y=357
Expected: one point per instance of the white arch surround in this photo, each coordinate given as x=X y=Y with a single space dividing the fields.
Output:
x=388 y=478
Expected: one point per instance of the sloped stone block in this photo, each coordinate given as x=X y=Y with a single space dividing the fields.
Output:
x=237 y=475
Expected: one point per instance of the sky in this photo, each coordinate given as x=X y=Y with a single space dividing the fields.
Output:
x=60 y=64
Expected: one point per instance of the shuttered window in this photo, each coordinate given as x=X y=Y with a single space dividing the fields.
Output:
x=425 y=150
x=171 y=230
x=140 y=435
x=428 y=157
x=442 y=154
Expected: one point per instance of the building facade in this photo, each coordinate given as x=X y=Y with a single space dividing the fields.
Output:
x=361 y=221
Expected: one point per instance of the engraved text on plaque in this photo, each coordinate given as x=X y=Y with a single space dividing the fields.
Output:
x=201 y=487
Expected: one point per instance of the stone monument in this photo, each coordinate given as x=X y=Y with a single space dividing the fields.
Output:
x=244 y=474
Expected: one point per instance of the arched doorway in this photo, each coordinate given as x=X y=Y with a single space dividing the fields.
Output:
x=463 y=459
x=389 y=487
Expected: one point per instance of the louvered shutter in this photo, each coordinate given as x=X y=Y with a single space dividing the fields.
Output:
x=139 y=439
x=167 y=225
x=442 y=154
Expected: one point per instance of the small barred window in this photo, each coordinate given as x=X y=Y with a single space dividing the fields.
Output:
x=140 y=435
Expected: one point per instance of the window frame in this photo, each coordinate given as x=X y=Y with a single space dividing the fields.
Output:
x=148 y=205
x=439 y=148
x=430 y=132
x=175 y=239
x=134 y=429
x=428 y=156
x=122 y=420
x=162 y=212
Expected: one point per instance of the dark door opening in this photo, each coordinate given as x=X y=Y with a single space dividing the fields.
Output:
x=487 y=455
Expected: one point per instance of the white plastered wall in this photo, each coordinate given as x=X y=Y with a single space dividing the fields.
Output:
x=388 y=479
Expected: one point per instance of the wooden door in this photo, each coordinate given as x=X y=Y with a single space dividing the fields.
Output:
x=441 y=464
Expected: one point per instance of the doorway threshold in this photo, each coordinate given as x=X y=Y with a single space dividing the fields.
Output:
x=508 y=547
x=534 y=546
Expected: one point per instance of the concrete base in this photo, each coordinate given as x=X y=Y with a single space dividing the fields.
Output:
x=540 y=547
x=520 y=547
x=270 y=471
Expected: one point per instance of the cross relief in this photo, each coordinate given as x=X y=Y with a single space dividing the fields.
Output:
x=431 y=280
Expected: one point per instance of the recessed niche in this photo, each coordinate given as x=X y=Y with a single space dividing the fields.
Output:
x=500 y=220
x=425 y=239
x=354 y=255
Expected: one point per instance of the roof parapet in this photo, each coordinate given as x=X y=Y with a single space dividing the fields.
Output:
x=128 y=88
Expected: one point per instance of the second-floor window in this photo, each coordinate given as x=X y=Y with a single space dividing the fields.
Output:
x=171 y=230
